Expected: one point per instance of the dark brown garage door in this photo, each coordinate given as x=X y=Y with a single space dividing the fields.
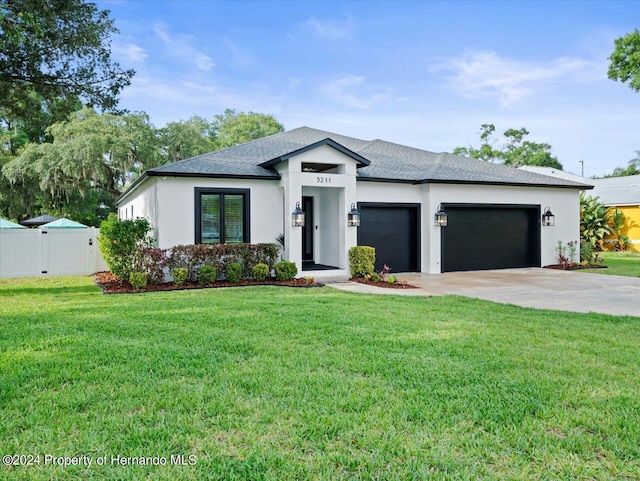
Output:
x=480 y=236
x=394 y=231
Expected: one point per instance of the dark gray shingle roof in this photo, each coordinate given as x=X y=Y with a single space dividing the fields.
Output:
x=389 y=161
x=39 y=220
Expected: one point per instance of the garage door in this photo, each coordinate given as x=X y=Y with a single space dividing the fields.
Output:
x=393 y=229
x=490 y=237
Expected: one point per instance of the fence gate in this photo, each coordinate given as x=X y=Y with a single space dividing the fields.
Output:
x=49 y=252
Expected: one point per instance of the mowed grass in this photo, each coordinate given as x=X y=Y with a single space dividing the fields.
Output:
x=625 y=263
x=289 y=384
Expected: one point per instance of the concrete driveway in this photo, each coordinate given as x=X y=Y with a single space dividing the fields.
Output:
x=573 y=291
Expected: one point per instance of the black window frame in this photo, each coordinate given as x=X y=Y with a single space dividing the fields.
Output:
x=246 y=218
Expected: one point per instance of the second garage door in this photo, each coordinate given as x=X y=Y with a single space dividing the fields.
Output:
x=480 y=236
x=393 y=229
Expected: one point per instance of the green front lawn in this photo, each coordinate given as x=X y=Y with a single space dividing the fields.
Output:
x=277 y=383
x=620 y=263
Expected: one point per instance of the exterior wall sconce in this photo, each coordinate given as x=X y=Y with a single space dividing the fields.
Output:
x=297 y=216
x=441 y=217
x=548 y=219
x=353 y=217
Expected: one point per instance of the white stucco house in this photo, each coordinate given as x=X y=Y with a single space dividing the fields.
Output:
x=249 y=192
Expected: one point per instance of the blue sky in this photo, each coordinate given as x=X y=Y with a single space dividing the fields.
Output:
x=426 y=74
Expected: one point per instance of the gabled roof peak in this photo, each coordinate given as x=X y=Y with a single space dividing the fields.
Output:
x=362 y=162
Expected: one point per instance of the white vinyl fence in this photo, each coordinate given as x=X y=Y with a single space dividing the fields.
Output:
x=49 y=252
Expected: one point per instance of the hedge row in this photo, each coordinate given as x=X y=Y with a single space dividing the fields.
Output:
x=156 y=263
x=194 y=256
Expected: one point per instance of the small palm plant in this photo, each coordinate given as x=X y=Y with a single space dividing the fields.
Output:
x=595 y=220
x=618 y=219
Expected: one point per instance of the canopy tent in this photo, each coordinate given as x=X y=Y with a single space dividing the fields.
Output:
x=7 y=224
x=64 y=224
x=38 y=221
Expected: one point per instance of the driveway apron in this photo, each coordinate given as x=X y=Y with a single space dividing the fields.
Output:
x=573 y=291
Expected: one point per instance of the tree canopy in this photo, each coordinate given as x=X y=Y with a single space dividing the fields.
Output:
x=632 y=168
x=625 y=60
x=515 y=151
x=54 y=56
x=186 y=138
x=232 y=128
x=90 y=158
x=56 y=51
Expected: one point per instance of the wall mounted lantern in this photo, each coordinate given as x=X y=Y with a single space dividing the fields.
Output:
x=353 y=217
x=297 y=216
x=441 y=217
x=103 y=210
x=548 y=219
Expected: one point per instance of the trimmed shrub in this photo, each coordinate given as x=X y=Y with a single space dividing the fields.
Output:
x=285 y=270
x=249 y=255
x=138 y=280
x=260 y=272
x=234 y=273
x=362 y=260
x=121 y=242
x=152 y=262
x=192 y=257
x=180 y=275
x=207 y=275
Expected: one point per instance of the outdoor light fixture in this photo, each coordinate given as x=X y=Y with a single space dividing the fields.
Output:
x=441 y=217
x=353 y=217
x=297 y=216
x=548 y=219
x=103 y=210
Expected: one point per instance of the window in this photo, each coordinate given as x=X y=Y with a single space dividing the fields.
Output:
x=222 y=216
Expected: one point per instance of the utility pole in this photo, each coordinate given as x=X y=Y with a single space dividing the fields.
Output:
x=582 y=162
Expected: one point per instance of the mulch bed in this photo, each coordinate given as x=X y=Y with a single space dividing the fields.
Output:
x=111 y=285
x=575 y=267
x=386 y=285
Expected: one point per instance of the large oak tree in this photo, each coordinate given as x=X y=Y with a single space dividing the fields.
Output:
x=56 y=51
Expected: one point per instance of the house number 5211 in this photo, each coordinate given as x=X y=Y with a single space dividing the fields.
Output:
x=323 y=180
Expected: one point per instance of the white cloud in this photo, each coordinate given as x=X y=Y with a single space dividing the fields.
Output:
x=352 y=91
x=129 y=51
x=241 y=57
x=181 y=46
x=478 y=74
x=183 y=97
x=331 y=29
x=293 y=82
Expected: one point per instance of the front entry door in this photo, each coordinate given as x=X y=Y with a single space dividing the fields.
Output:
x=307 y=230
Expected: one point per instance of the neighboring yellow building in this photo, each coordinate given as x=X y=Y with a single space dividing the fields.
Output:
x=622 y=193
